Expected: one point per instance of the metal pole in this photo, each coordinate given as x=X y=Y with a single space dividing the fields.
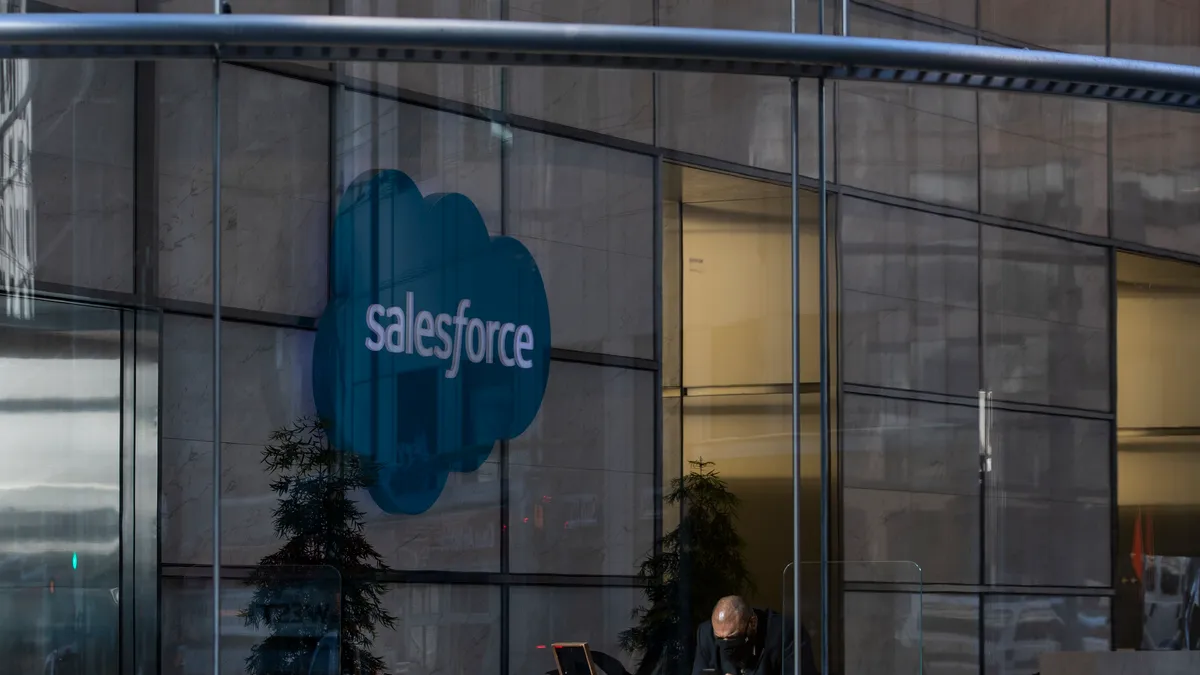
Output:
x=823 y=267
x=797 y=629
x=216 y=372
x=823 y=284
x=797 y=633
x=795 y=114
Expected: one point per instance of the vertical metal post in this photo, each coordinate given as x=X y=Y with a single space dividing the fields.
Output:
x=797 y=630
x=216 y=371
x=823 y=350
x=823 y=267
x=795 y=124
x=658 y=354
x=823 y=289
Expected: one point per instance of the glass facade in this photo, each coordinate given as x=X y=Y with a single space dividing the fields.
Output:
x=1012 y=458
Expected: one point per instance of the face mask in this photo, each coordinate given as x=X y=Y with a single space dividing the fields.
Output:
x=734 y=649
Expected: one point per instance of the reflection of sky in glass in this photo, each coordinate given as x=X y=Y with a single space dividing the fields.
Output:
x=56 y=459
x=70 y=377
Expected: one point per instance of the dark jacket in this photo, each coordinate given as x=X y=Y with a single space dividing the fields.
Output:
x=774 y=643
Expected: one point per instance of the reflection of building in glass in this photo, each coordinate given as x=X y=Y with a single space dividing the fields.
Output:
x=17 y=239
x=982 y=242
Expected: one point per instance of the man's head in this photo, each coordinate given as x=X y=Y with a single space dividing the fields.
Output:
x=733 y=618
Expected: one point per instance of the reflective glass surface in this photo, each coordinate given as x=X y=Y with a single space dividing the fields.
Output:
x=496 y=358
x=61 y=381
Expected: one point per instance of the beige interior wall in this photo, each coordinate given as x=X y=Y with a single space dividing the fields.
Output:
x=748 y=439
x=737 y=299
x=736 y=282
x=1158 y=381
x=1158 y=360
x=1152 y=477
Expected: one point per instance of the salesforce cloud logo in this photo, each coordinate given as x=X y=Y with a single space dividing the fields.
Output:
x=436 y=340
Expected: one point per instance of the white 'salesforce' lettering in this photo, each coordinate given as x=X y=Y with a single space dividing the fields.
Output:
x=405 y=331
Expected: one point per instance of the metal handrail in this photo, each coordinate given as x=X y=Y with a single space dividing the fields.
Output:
x=336 y=38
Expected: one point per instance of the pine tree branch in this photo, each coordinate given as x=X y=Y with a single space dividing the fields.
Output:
x=318 y=584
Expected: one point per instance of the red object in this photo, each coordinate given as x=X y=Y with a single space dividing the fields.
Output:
x=1143 y=544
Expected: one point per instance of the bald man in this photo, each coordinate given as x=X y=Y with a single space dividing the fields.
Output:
x=741 y=640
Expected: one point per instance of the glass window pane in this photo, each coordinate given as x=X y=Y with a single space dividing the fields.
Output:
x=581 y=478
x=910 y=299
x=1063 y=25
x=909 y=633
x=265 y=387
x=1156 y=192
x=951 y=10
x=750 y=126
x=910 y=476
x=736 y=313
x=911 y=141
x=737 y=118
x=440 y=151
x=586 y=213
x=1050 y=456
x=1044 y=160
x=452 y=629
x=274 y=188
x=614 y=102
x=1019 y=628
x=78 y=135
x=473 y=85
x=1048 y=503
x=187 y=626
x=60 y=409
x=747 y=439
x=551 y=614
x=1045 y=320
x=1156 y=30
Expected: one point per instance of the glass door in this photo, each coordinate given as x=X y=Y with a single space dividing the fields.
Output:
x=60 y=492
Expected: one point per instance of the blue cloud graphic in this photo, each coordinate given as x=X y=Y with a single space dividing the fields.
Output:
x=436 y=340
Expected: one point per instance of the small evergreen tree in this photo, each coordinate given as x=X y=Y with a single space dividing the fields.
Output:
x=322 y=529
x=698 y=563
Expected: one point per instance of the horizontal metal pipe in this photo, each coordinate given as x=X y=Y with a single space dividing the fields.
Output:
x=695 y=49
